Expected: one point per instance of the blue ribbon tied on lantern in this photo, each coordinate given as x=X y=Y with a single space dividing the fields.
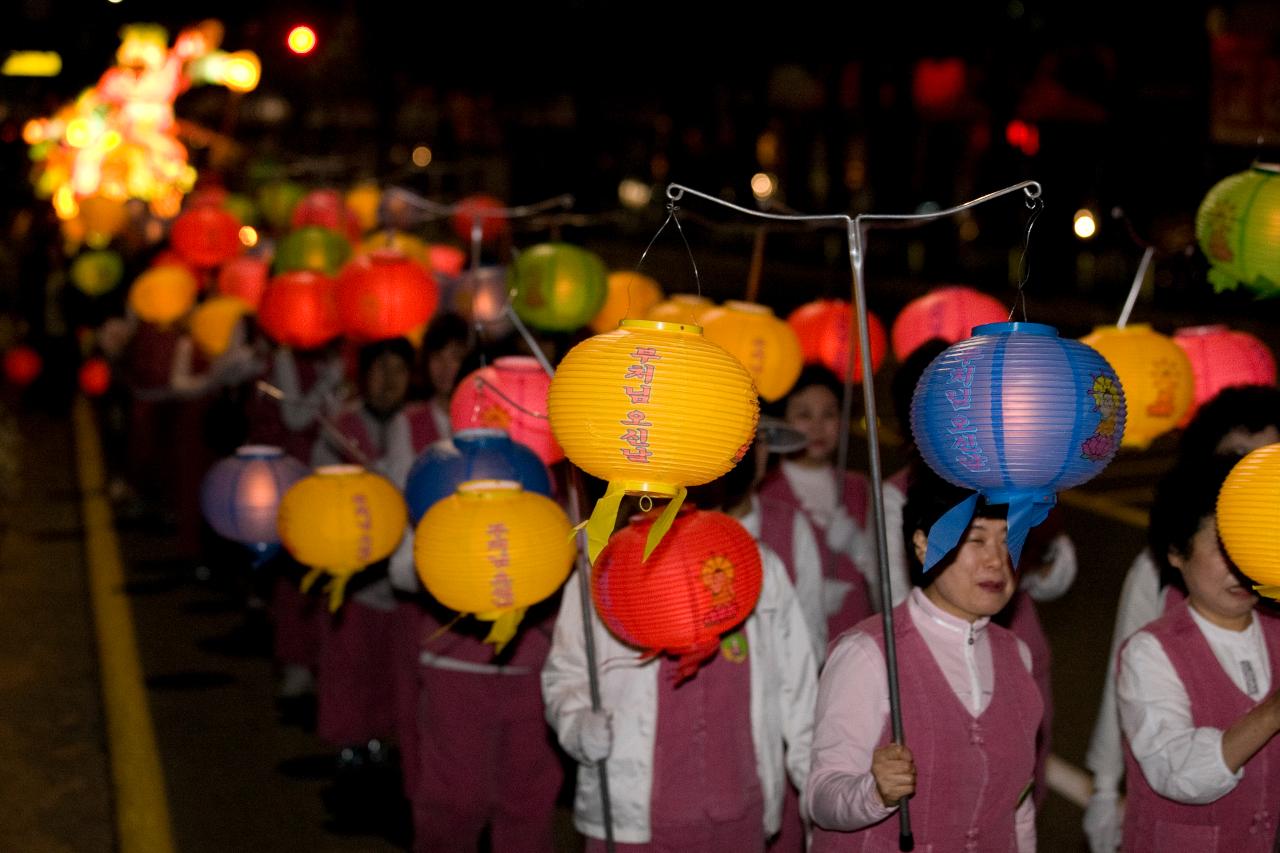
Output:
x=1015 y=413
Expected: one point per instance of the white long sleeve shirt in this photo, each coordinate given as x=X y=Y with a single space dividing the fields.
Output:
x=815 y=488
x=1141 y=602
x=853 y=704
x=1179 y=760
x=806 y=561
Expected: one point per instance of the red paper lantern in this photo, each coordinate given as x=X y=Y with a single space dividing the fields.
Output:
x=384 y=295
x=328 y=209
x=206 y=237
x=823 y=330
x=95 y=377
x=22 y=365
x=1223 y=358
x=298 y=310
x=702 y=580
x=446 y=259
x=510 y=395
x=949 y=313
x=245 y=278
x=491 y=228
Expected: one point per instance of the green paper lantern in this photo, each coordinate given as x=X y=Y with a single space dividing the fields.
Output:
x=1238 y=228
x=314 y=249
x=276 y=201
x=559 y=287
x=97 y=272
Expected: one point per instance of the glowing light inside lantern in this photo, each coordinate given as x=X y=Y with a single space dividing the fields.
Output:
x=249 y=235
x=1084 y=224
x=302 y=40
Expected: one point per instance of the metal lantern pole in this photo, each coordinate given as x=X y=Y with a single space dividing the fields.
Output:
x=856 y=230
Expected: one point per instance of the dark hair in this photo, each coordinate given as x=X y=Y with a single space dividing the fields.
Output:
x=369 y=353
x=1254 y=407
x=903 y=387
x=811 y=375
x=928 y=499
x=447 y=328
x=1186 y=495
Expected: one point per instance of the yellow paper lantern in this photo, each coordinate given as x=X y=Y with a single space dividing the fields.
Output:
x=339 y=520
x=163 y=294
x=103 y=217
x=652 y=408
x=1247 y=517
x=1155 y=374
x=767 y=347
x=214 y=321
x=405 y=244
x=364 y=201
x=492 y=549
x=630 y=295
x=681 y=308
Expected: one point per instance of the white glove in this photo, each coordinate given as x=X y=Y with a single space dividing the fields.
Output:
x=1104 y=822
x=595 y=736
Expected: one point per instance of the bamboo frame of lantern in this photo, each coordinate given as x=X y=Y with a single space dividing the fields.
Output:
x=856 y=228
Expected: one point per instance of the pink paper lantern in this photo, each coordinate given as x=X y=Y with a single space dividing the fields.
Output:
x=1223 y=358
x=949 y=313
x=510 y=395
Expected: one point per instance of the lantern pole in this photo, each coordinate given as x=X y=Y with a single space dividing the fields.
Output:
x=856 y=229
x=1137 y=286
x=584 y=589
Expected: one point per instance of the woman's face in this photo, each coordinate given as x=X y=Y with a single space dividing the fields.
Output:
x=442 y=367
x=815 y=411
x=1213 y=588
x=979 y=581
x=386 y=384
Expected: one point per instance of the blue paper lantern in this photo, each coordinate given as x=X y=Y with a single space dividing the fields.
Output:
x=1015 y=413
x=241 y=494
x=473 y=454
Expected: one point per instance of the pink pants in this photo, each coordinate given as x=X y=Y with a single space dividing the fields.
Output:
x=485 y=757
x=355 y=691
x=299 y=622
x=741 y=836
x=406 y=645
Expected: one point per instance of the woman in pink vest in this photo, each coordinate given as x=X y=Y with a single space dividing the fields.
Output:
x=362 y=692
x=1196 y=691
x=970 y=708
x=1234 y=422
x=836 y=506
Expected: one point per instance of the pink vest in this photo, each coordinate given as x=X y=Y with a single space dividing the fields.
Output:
x=971 y=772
x=777 y=531
x=857 y=604
x=422 y=429
x=1241 y=821
x=704 y=762
x=1021 y=618
x=266 y=424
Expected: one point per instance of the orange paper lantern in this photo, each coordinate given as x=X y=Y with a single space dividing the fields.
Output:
x=681 y=308
x=163 y=294
x=214 y=321
x=700 y=582
x=630 y=295
x=510 y=395
x=767 y=347
x=384 y=295
x=1155 y=375
x=949 y=313
x=823 y=329
x=298 y=310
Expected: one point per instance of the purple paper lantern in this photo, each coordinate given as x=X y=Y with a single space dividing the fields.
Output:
x=241 y=494
x=1015 y=413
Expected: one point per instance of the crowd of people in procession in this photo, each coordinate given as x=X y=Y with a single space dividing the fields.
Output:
x=781 y=740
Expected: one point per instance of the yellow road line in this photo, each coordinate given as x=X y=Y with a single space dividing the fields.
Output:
x=142 y=808
x=1107 y=508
